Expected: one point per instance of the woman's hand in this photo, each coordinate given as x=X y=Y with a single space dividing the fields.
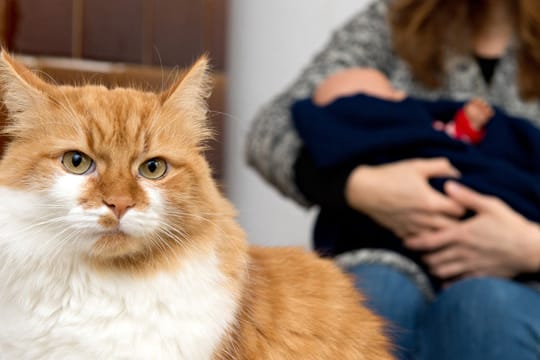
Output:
x=496 y=241
x=399 y=197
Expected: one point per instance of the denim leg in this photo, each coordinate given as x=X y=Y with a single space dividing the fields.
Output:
x=394 y=296
x=482 y=318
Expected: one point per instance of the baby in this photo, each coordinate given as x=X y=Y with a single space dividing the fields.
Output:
x=372 y=123
x=468 y=124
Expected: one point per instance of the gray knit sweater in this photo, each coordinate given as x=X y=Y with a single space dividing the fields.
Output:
x=273 y=144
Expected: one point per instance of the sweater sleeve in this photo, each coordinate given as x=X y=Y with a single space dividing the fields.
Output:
x=272 y=145
x=324 y=187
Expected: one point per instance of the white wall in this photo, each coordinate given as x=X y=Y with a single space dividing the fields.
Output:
x=269 y=41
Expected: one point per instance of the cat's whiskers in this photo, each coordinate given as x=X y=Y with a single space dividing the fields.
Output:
x=65 y=237
x=63 y=221
x=156 y=241
x=179 y=214
x=199 y=214
x=50 y=206
x=175 y=210
x=183 y=239
x=56 y=220
x=163 y=246
x=178 y=236
x=207 y=217
x=162 y=241
x=53 y=258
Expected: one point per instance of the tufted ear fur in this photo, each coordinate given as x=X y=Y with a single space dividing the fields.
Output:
x=188 y=98
x=22 y=91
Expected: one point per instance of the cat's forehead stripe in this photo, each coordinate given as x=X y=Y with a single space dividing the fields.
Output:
x=114 y=117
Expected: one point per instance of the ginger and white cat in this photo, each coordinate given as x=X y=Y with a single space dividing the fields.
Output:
x=115 y=243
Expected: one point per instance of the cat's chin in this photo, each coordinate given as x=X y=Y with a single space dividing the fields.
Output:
x=115 y=244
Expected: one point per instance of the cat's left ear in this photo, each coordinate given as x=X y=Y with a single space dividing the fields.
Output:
x=21 y=88
x=189 y=94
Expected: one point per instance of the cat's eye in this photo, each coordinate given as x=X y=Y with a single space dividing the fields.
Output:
x=77 y=162
x=153 y=169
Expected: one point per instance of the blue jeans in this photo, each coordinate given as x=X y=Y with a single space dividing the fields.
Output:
x=477 y=318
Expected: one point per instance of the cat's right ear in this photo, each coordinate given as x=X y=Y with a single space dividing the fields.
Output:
x=187 y=98
x=21 y=89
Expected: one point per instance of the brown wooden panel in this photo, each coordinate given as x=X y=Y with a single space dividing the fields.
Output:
x=8 y=21
x=44 y=27
x=178 y=32
x=215 y=21
x=113 y=30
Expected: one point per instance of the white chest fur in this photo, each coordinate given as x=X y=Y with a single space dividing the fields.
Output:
x=56 y=308
x=166 y=317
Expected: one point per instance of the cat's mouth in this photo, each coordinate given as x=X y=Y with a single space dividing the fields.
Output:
x=111 y=226
x=109 y=222
x=115 y=243
x=114 y=235
x=113 y=232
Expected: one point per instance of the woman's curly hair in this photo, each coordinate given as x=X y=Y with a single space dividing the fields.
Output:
x=425 y=31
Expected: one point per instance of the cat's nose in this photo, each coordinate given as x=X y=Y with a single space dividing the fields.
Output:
x=119 y=204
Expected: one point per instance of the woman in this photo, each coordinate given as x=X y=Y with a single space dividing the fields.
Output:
x=455 y=49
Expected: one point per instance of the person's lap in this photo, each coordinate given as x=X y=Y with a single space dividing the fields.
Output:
x=482 y=318
x=395 y=297
x=477 y=318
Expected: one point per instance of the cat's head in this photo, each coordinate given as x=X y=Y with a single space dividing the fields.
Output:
x=117 y=175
